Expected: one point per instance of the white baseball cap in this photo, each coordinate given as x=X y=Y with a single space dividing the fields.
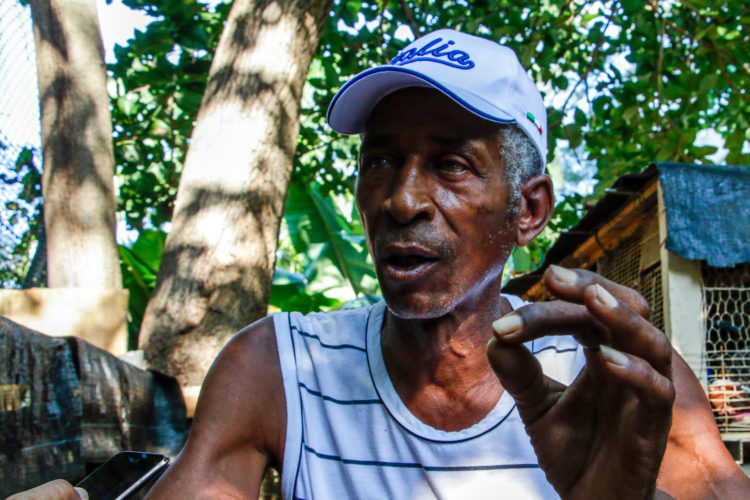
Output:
x=484 y=77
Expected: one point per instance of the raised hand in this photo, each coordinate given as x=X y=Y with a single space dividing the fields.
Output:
x=603 y=436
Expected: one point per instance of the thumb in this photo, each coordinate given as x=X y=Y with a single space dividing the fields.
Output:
x=521 y=375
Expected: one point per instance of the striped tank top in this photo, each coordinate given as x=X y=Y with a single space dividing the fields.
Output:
x=349 y=435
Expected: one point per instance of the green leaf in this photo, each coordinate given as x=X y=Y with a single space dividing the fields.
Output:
x=139 y=265
x=521 y=259
x=284 y=277
x=708 y=82
x=312 y=219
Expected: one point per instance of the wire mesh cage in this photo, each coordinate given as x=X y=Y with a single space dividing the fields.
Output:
x=20 y=137
x=650 y=288
x=19 y=100
x=726 y=308
x=622 y=263
x=629 y=264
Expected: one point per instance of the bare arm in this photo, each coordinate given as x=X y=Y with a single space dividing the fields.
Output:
x=696 y=463
x=239 y=425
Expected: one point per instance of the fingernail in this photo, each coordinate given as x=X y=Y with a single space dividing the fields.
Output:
x=82 y=493
x=564 y=275
x=604 y=296
x=507 y=325
x=613 y=356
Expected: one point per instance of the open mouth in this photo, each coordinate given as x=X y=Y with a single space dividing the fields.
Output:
x=408 y=261
x=405 y=262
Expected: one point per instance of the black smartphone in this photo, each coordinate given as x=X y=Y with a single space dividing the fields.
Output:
x=123 y=475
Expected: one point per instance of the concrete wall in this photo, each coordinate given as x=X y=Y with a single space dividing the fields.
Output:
x=98 y=316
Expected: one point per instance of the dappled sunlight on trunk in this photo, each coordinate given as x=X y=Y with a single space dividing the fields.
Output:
x=219 y=258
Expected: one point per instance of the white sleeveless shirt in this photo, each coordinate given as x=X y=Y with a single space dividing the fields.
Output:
x=349 y=435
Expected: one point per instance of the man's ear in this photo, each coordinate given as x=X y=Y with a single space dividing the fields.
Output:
x=537 y=203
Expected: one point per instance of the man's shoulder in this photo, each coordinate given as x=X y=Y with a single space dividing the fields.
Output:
x=239 y=421
x=256 y=338
x=248 y=364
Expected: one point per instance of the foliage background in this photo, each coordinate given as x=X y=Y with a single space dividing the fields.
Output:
x=626 y=83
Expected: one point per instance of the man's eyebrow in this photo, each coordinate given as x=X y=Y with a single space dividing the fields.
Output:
x=374 y=141
x=463 y=145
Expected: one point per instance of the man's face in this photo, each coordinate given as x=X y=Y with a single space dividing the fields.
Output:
x=433 y=198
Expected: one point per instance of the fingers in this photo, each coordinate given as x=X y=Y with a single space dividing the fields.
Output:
x=521 y=375
x=653 y=388
x=610 y=320
x=556 y=317
x=643 y=395
x=598 y=315
x=569 y=284
x=59 y=489
x=629 y=331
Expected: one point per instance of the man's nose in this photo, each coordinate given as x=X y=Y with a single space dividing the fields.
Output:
x=409 y=197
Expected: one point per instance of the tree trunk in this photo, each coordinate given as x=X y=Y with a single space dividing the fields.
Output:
x=216 y=272
x=77 y=184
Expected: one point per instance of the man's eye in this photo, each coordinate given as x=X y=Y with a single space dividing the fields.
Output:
x=452 y=166
x=378 y=163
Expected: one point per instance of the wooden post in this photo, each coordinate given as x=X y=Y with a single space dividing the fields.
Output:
x=684 y=318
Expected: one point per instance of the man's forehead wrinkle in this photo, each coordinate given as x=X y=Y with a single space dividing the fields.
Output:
x=466 y=145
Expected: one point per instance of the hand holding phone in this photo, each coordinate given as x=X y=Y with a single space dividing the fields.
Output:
x=123 y=475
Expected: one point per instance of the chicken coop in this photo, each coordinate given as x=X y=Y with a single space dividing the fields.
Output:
x=680 y=235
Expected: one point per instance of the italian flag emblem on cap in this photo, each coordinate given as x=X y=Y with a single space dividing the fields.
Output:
x=533 y=120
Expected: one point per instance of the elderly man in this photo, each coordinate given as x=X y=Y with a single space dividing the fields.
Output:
x=407 y=399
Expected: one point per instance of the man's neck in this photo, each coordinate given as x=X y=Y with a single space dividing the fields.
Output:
x=439 y=366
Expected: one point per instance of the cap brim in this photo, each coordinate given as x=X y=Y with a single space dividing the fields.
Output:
x=352 y=105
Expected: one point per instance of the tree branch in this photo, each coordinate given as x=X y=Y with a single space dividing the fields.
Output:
x=380 y=23
x=585 y=75
x=660 y=60
x=409 y=15
x=572 y=11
